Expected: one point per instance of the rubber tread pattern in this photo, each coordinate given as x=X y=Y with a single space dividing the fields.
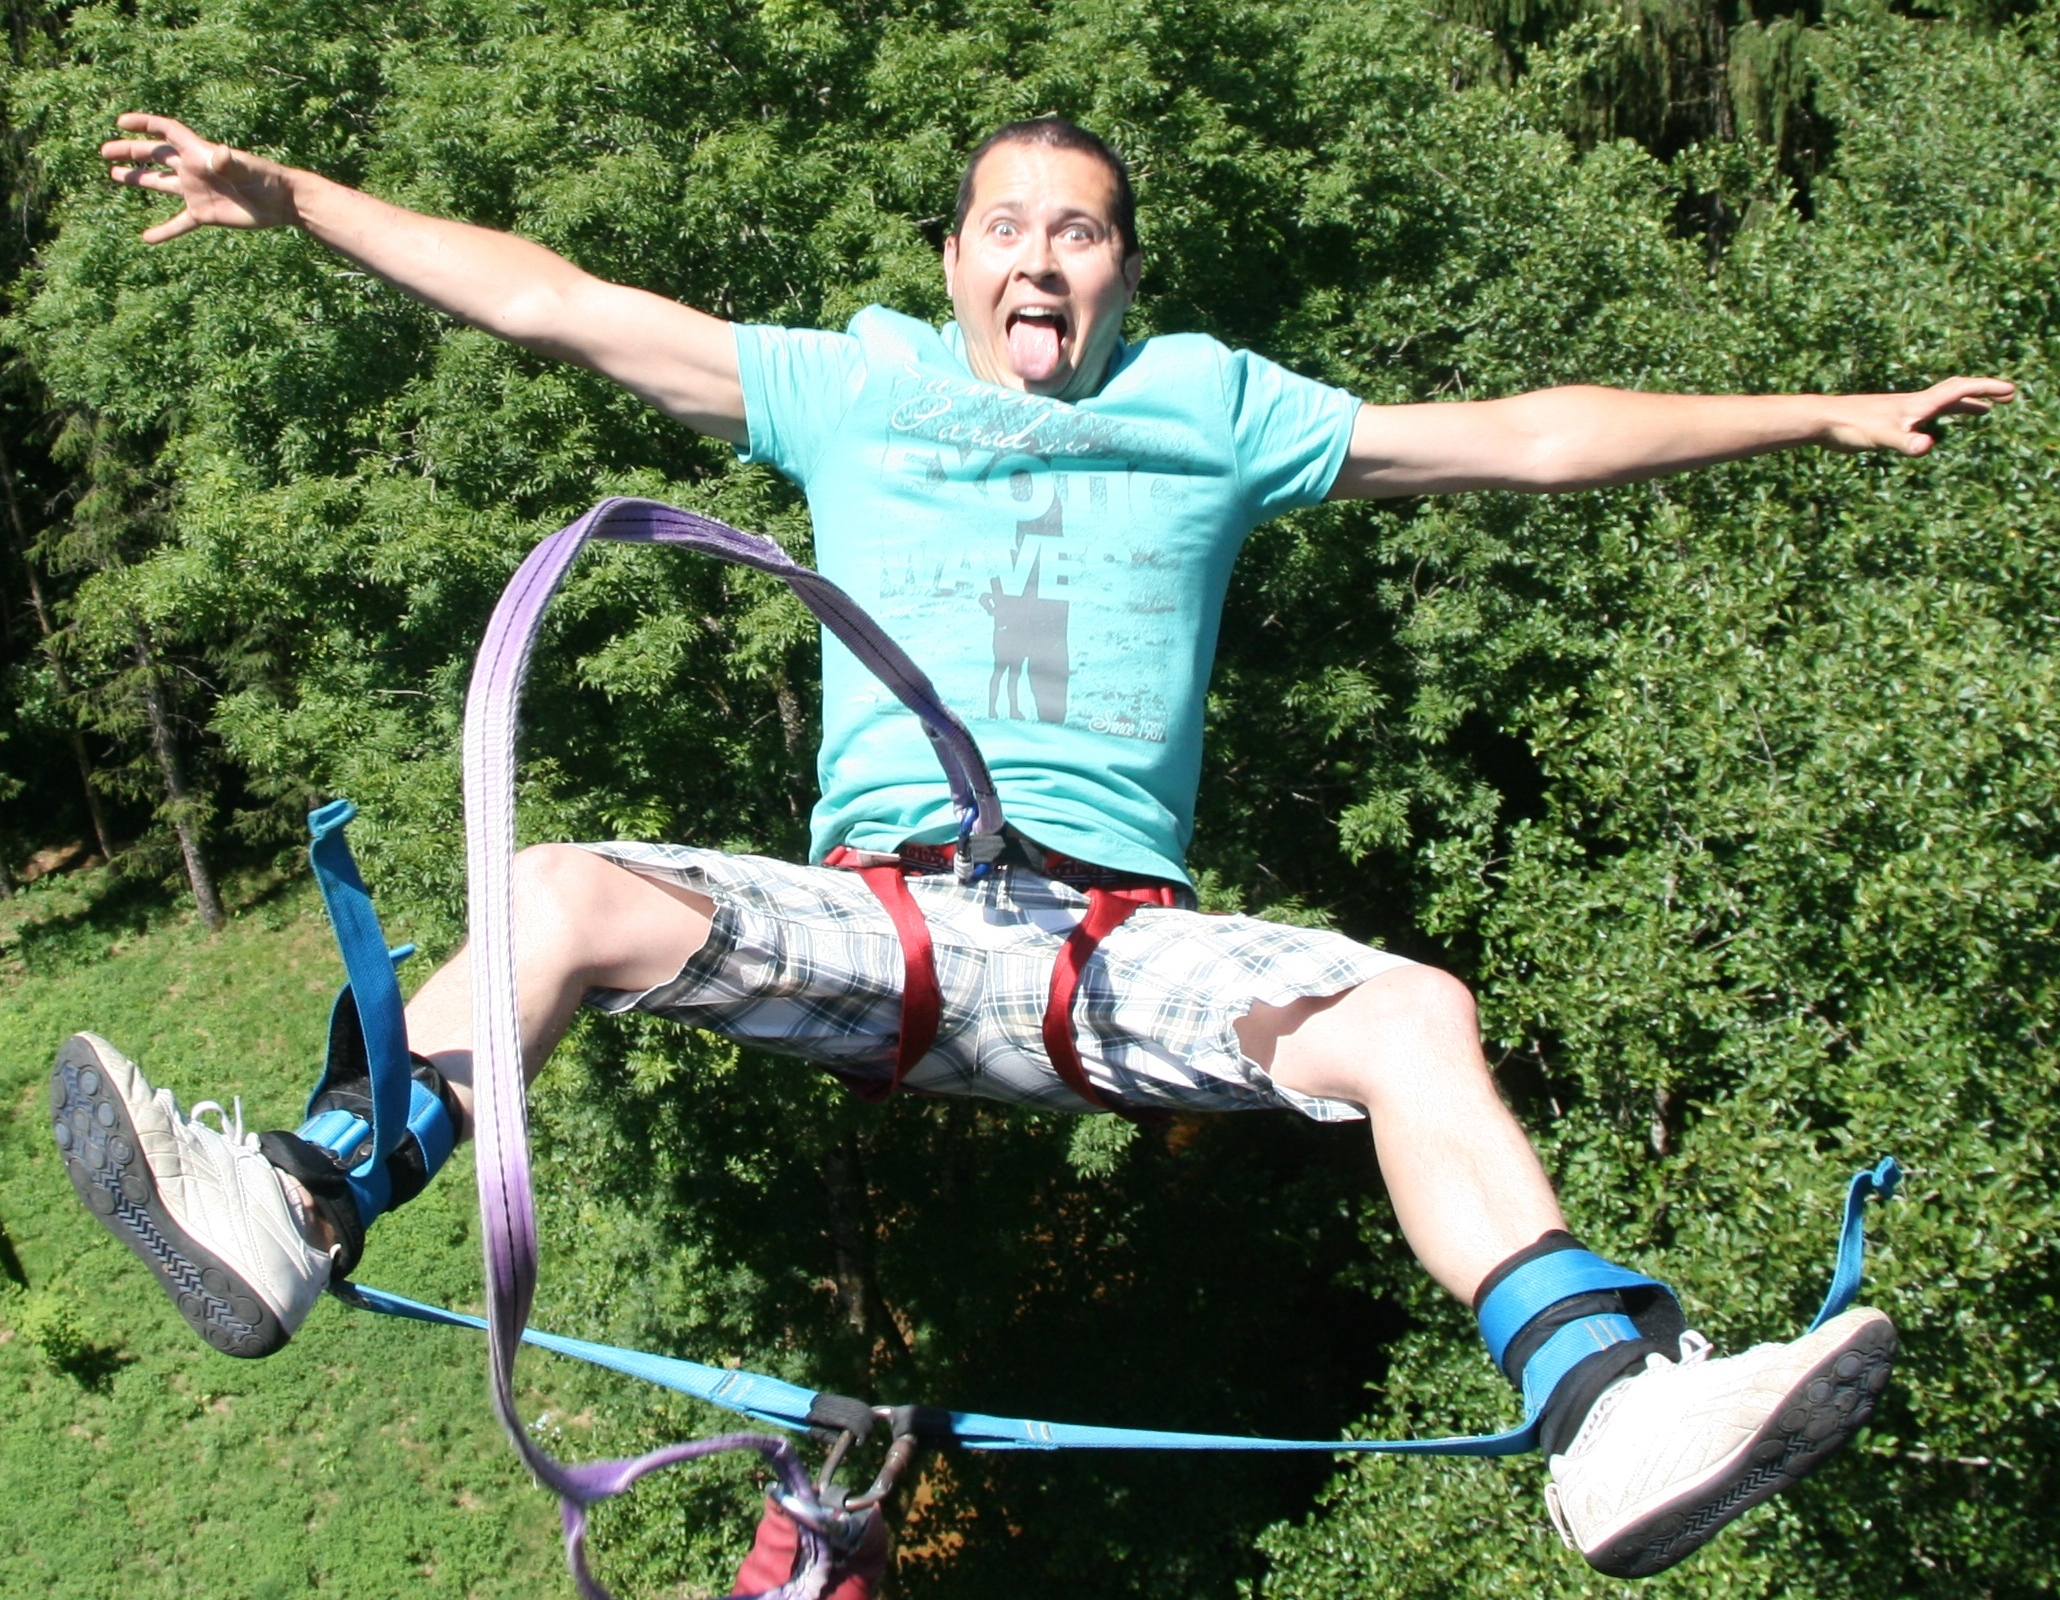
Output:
x=1831 y=1403
x=104 y=1160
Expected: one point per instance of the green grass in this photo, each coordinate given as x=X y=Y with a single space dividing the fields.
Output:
x=134 y=1461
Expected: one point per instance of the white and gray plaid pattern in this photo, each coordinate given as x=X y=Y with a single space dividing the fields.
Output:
x=803 y=961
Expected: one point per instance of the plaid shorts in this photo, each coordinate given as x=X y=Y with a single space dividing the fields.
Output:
x=803 y=961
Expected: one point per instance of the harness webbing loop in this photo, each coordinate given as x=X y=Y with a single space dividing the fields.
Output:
x=922 y=1001
x=1107 y=910
x=507 y=1204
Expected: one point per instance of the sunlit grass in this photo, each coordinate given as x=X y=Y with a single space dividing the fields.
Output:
x=362 y=1459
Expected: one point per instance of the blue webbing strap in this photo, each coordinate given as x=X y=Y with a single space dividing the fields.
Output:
x=1880 y=1183
x=1544 y=1282
x=1567 y=1349
x=372 y=992
x=787 y=1405
x=750 y=1394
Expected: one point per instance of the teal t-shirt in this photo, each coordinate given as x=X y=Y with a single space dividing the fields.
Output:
x=1058 y=568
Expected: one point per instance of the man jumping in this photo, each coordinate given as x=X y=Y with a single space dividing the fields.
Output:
x=1022 y=471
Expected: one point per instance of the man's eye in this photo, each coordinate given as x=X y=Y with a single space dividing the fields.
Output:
x=1004 y=230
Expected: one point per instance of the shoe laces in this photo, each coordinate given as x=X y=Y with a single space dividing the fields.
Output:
x=233 y=1132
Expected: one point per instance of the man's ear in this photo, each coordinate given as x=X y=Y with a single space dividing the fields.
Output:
x=1133 y=270
x=950 y=260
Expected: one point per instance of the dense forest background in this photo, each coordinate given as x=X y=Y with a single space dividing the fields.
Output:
x=1734 y=796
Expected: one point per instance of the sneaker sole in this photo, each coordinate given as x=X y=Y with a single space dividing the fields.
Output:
x=104 y=1160
x=1824 y=1409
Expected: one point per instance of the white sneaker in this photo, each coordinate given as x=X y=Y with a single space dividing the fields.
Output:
x=199 y=1204
x=1670 y=1455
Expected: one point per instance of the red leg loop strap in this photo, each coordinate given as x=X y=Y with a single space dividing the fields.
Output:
x=922 y=1002
x=1107 y=910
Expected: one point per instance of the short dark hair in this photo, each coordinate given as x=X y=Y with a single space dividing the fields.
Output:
x=1056 y=133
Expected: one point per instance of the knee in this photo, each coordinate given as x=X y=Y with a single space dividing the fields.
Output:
x=599 y=924
x=1400 y=1035
x=1423 y=997
x=1426 y=1032
x=558 y=887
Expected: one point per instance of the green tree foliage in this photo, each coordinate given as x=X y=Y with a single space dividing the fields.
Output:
x=1734 y=796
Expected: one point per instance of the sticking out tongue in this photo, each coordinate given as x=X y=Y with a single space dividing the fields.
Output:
x=1034 y=349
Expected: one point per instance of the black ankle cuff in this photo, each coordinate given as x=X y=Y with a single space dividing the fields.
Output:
x=325 y=1183
x=1575 y=1395
x=407 y=1169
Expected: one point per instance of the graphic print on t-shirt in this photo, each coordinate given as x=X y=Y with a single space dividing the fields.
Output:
x=1029 y=640
x=1034 y=535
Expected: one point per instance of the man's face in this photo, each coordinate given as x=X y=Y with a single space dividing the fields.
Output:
x=1039 y=278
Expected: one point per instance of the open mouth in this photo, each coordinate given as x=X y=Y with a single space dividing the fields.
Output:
x=1036 y=336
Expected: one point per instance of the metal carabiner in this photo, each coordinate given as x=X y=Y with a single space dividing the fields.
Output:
x=911 y=1427
x=976 y=853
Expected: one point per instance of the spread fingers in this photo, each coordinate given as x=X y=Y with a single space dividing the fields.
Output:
x=137 y=178
x=184 y=222
x=141 y=152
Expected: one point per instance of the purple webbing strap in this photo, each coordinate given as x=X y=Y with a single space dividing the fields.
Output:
x=501 y=1117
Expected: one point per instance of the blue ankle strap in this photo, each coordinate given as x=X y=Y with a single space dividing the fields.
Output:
x=1567 y=1349
x=346 y=1136
x=1542 y=1283
x=373 y=993
x=368 y=1019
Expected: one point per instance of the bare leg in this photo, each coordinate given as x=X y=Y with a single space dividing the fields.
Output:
x=581 y=923
x=1467 y=1188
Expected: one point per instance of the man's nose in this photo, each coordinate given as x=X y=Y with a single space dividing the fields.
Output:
x=1037 y=259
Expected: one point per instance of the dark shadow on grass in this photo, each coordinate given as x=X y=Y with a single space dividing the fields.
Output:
x=255 y=891
x=94 y=1367
x=120 y=905
x=124 y=905
x=10 y=1262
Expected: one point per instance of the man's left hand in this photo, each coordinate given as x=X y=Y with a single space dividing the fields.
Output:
x=1899 y=421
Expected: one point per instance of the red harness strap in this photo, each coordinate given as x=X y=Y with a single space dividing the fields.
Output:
x=1107 y=910
x=922 y=1003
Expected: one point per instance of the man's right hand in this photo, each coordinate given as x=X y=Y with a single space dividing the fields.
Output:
x=681 y=360
x=225 y=187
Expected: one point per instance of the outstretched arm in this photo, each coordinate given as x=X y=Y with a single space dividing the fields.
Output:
x=681 y=360
x=1580 y=438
